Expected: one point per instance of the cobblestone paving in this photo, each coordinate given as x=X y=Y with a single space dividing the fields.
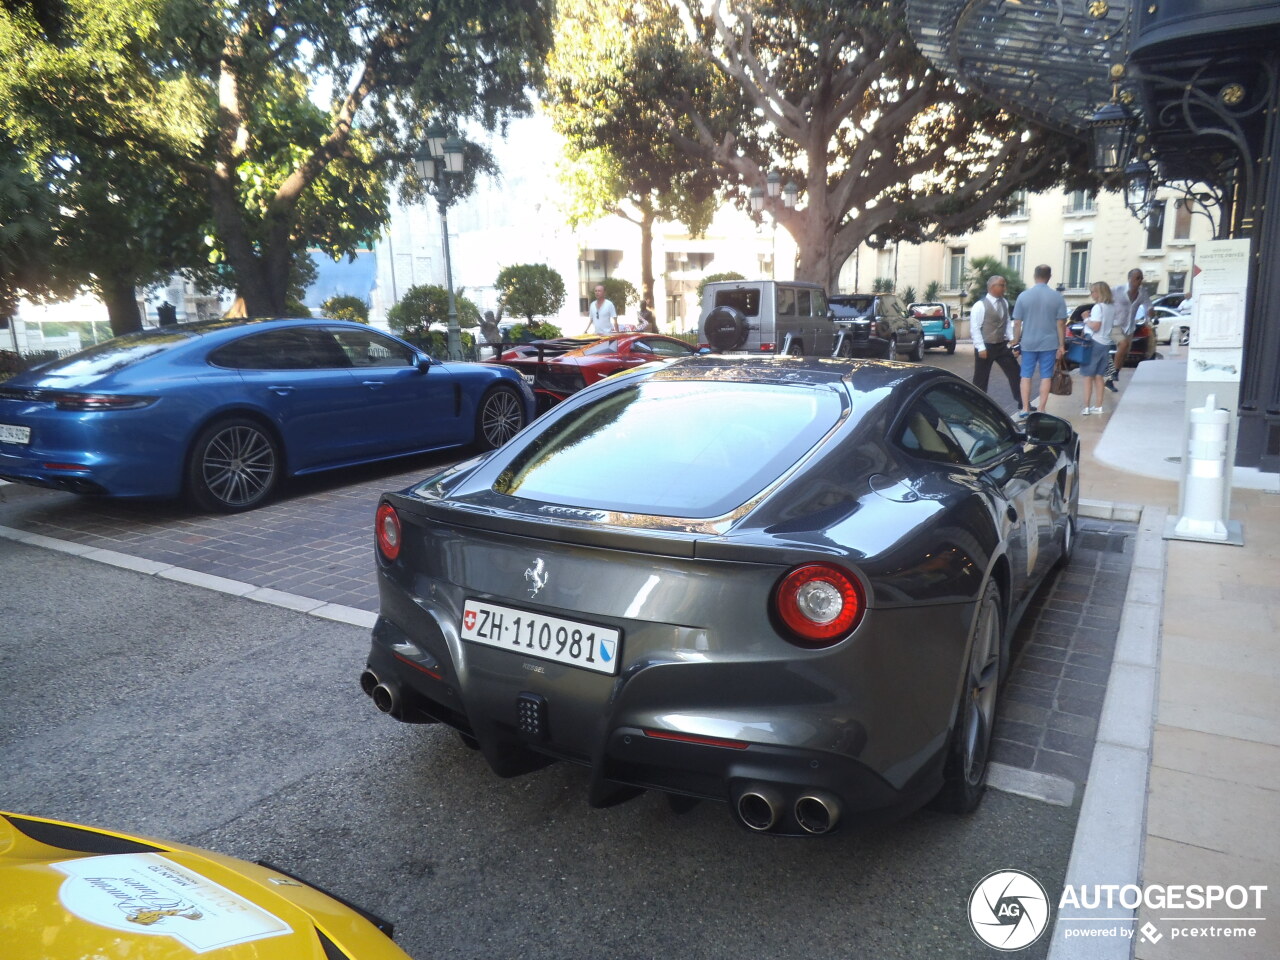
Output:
x=1062 y=657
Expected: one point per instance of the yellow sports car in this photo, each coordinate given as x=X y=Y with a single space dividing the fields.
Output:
x=69 y=892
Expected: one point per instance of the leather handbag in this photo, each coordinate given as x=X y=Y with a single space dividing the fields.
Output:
x=1060 y=385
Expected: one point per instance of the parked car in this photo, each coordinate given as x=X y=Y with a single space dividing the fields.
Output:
x=557 y=368
x=935 y=318
x=784 y=583
x=224 y=410
x=1171 y=300
x=69 y=892
x=1171 y=323
x=875 y=325
x=743 y=316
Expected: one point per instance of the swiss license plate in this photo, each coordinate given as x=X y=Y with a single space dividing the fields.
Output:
x=11 y=433
x=528 y=377
x=544 y=638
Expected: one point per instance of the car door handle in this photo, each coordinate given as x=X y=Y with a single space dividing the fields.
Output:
x=373 y=384
x=282 y=390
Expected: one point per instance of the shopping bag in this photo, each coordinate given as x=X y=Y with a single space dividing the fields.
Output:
x=1060 y=385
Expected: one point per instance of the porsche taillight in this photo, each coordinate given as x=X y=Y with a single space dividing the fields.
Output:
x=819 y=604
x=387 y=532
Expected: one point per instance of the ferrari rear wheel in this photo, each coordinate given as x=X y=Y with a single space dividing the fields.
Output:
x=234 y=466
x=965 y=775
x=500 y=417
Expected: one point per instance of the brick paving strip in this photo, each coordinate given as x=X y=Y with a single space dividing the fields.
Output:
x=312 y=551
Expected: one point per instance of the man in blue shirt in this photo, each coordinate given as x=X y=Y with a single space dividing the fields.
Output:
x=1040 y=326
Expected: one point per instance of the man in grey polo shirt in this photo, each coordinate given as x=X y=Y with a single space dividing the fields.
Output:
x=1040 y=325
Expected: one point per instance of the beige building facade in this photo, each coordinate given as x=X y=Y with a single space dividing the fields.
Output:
x=1082 y=236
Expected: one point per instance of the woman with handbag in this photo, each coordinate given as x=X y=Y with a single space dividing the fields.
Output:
x=1097 y=333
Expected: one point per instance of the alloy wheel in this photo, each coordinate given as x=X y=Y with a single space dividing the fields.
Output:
x=238 y=465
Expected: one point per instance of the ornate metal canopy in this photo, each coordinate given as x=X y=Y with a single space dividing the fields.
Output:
x=1053 y=61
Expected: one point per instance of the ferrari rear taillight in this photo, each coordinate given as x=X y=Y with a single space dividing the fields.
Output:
x=387 y=531
x=819 y=604
x=99 y=401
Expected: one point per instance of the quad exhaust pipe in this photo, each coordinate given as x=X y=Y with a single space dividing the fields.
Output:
x=386 y=696
x=763 y=809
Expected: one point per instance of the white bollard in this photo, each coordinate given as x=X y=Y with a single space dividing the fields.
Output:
x=1205 y=477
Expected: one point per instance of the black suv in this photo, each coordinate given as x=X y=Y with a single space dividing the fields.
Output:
x=874 y=325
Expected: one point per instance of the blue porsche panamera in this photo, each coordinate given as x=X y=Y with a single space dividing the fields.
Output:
x=222 y=411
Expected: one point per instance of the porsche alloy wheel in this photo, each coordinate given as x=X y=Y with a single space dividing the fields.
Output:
x=234 y=466
x=891 y=351
x=500 y=417
x=965 y=777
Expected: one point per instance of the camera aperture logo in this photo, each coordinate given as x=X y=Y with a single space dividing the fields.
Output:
x=1008 y=910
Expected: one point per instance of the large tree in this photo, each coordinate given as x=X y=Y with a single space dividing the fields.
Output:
x=622 y=159
x=834 y=96
x=285 y=118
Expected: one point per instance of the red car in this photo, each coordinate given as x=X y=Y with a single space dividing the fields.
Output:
x=557 y=368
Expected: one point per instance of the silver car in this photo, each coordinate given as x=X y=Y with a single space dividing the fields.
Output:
x=784 y=583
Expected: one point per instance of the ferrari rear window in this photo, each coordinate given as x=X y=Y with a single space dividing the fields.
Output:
x=674 y=448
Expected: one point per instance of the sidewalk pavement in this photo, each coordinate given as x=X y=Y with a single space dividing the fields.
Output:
x=1184 y=786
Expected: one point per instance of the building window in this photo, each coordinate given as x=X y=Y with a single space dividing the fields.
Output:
x=675 y=310
x=1013 y=253
x=1019 y=205
x=1155 y=226
x=1078 y=264
x=1082 y=201
x=1177 y=281
x=955 y=268
x=1182 y=219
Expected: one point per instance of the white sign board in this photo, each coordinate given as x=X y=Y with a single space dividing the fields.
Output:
x=1217 y=327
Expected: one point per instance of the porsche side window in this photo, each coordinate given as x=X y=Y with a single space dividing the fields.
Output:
x=977 y=425
x=364 y=348
x=925 y=435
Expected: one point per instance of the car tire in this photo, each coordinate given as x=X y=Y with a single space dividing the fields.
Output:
x=891 y=351
x=234 y=465
x=965 y=772
x=500 y=417
x=917 y=352
x=1068 y=546
x=1184 y=336
x=795 y=350
x=951 y=346
x=725 y=328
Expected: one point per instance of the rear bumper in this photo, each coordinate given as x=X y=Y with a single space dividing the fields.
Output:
x=662 y=725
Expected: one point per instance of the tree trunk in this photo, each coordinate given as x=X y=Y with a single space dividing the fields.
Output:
x=815 y=261
x=646 y=253
x=121 y=298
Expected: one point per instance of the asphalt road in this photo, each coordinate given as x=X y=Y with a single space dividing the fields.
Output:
x=156 y=708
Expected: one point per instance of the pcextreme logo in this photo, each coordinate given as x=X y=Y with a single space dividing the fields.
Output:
x=1008 y=910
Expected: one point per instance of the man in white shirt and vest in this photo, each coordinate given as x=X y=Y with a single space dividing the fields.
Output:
x=991 y=327
x=1132 y=298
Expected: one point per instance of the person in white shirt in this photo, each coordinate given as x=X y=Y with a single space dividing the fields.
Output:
x=1097 y=330
x=1131 y=298
x=991 y=329
x=602 y=317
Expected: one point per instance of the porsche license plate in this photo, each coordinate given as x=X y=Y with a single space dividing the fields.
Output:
x=11 y=433
x=583 y=645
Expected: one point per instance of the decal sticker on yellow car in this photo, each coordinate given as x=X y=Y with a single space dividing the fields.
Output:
x=148 y=893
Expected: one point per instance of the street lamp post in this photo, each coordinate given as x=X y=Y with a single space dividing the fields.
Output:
x=789 y=193
x=436 y=167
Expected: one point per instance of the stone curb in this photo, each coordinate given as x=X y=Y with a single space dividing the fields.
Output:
x=1111 y=831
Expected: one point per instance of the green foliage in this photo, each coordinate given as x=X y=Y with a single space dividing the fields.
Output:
x=530 y=290
x=621 y=293
x=932 y=291
x=344 y=307
x=715 y=278
x=980 y=268
x=836 y=98
x=221 y=106
x=908 y=294
x=528 y=332
x=882 y=285
x=428 y=304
